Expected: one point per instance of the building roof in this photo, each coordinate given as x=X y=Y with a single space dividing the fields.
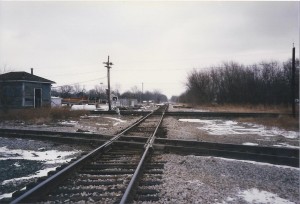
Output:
x=23 y=76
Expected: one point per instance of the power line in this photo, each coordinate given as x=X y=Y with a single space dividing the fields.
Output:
x=79 y=82
x=74 y=74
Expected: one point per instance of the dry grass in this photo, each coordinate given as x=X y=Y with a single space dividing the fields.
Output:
x=41 y=115
x=285 y=122
x=247 y=108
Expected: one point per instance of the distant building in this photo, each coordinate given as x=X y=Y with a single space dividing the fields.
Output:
x=24 y=90
x=127 y=102
x=75 y=101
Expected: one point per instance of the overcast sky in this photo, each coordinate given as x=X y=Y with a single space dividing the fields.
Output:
x=155 y=43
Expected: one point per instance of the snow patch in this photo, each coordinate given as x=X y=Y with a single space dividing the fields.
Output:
x=250 y=144
x=39 y=173
x=286 y=145
x=93 y=116
x=254 y=195
x=6 y=195
x=102 y=124
x=191 y=120
x=68 y=123
x=17 y=164
x=116 y=119
x=83 y=107
x=50 y=156
x=229 y=127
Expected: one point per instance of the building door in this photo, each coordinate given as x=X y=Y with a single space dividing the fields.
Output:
x=37 y=98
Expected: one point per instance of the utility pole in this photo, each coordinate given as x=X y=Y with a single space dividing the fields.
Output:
x=142 y=90
x=108 y=66
x=293 y=83
x=141 y=95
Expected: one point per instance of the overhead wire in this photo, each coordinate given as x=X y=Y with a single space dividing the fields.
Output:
x=79 y=82
x=74 y=74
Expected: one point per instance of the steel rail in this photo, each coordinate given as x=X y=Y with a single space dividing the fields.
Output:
x=127 y=196
x=135 y=124
x=42 y=188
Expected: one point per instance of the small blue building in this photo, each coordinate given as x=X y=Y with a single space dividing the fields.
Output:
x=24 y=90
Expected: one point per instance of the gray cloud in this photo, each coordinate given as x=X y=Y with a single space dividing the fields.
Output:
x=64 y=37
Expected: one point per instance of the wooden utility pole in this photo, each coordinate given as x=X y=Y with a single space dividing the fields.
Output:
x=141 y=95
x=293 y=84
x=108 y=65
x=142 y=90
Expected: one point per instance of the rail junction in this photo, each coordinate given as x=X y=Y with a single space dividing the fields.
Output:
x=123 y=167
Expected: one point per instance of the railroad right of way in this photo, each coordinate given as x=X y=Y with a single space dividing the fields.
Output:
x=121 y=168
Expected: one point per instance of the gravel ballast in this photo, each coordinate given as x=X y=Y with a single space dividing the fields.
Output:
x=199 y=179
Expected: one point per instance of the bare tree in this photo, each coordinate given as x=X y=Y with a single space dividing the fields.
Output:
x=117 y=89
x=78 y=90
x=263 y=83
x=66 y=91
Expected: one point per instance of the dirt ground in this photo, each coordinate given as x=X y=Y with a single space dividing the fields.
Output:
x=100 y=124
x=228 y=131
x=282 y=131
x=247 y=131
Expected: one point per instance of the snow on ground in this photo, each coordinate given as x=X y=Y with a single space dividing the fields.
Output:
x=254 y=195
x=103 y=126
x=39 y=173
x=116 y=119
x=250 y=144
x=205 y=179
x=83 y=107
x=226 y=127
x=103 y=107
x=50 y=159
x=285 y=145
x=70 y=123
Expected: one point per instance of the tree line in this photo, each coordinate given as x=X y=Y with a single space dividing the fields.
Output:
x=100 y=92
x=234 y=83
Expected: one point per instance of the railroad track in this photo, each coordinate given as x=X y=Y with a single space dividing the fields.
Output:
x=274 y=155
x=134 y=178
x=108 y=174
